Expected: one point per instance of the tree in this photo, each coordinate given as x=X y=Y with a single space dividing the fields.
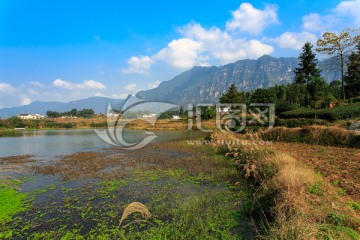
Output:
x=352 y=78
x=86 y=113
x=73 y=112
x=208 y=112
x=318 y=89
x=263 y=96
x=53 y=114
x=335 y=88
x=339 y=46
x=181 y=112
x=307 y=70
x=232 y=96
x=16 y=122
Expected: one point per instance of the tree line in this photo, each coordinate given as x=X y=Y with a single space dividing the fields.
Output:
x=308 y=88
x=85 y=113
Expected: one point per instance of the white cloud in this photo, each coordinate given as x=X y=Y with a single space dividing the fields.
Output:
x=251 y=20
x=140 y=65
x=153 y=84
x=99 y=94
x=5 y=87
x=37 y=84
x=221 y=46
x=202 y=47
x=86 y=84
x=120 y=96
x=212 y=46
x=316 y=23
x=349 y=8
x=131 y=87
x=182 y=53
x=92 y=84
x=25 y=101
x=33 y=92
x=295 y=40
x=346 y=13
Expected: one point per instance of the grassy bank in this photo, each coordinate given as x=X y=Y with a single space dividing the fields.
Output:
x=291 y=201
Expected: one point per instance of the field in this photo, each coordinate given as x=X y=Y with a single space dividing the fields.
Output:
x=339 y=166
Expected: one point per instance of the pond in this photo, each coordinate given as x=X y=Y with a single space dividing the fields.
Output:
x=59 y=142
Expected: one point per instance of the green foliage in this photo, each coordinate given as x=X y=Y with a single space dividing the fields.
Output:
x=338 y=45
x=335 y=89
x=169 y=114
x=208 y=113
x=307 y=69
x=232 y=96
x=51 y=124
x=297 y=122
x=53 y=114
x=264 y=96
x=85 y=113
x=316 y=189
x=336 y=113
x=354 y=205
x=12 y=202
x=15 y=122
x=98 y=125
x=352 y=78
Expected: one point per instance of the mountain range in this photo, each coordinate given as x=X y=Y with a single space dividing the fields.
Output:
x=197 y=85
x=98 y=104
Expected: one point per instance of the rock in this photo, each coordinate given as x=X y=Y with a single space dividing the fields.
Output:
x=355 y=126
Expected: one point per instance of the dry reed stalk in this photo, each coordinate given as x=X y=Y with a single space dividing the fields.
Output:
x=135 y=207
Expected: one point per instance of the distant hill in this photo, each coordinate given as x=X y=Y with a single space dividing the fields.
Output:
x=197 y=85
x=206 y=84
x=98 y=104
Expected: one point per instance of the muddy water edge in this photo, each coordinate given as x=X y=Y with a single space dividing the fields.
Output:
x=189 y=190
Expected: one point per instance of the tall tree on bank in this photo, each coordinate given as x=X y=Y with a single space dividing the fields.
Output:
x=339 y=46
x=232 y=96
x=352 y=78
x=307 y=70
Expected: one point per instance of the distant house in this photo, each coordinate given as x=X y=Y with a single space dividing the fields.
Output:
x=30 y=116
x=151 y=115
x=176 y=117
x=112 y=115
x=223 y=110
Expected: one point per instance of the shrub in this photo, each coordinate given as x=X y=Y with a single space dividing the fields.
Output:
x=342 y=112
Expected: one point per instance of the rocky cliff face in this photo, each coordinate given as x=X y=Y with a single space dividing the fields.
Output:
x=206 y=84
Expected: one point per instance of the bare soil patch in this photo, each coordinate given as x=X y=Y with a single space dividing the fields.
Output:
x=340 y=166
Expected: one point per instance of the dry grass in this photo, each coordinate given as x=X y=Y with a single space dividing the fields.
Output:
x=282 y=201
x=330 y=136
x=135 y=207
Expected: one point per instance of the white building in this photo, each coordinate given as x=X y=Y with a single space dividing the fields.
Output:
x=176 y=117
x=151 y=115
x=31 y=116
x=223 y=110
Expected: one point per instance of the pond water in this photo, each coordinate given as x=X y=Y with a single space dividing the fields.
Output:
x=59 y=142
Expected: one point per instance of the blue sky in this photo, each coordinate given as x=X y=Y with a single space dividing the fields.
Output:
x=68 y=50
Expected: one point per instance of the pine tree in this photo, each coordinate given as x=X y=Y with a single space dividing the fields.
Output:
x=307 y=70
x=352 y=78
x=232 y=96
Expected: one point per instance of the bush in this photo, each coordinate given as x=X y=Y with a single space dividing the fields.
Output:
x=343 y=112
x=298 y=122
